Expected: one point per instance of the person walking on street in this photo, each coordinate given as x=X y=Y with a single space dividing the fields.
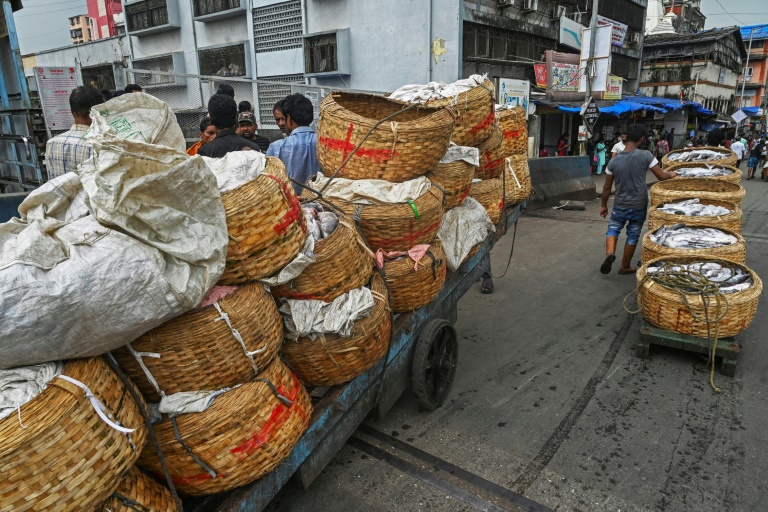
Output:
x=620 y=145
x=299 y=150
x=600 y=153
x=754 y=157
x=662 y=148
x=628 y=170
x=671 y=138
x=738 y=147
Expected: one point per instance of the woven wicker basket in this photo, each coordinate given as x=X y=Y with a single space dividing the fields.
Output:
x=518 y=180
x=736 y=252
x=396 y=226
x=332 y=359
x=491 y=156
x=65 y=457
x=474 y=111
x=730 y=222
x=400 y=149
x=411 y=289
x=669 y=191
x=343 y=264
x=455 y=178
x=266 y=226
x=665 y=308
x=475 y=249
x=244 y=435
x=199 y=350
x=514 y=129
x=490 y=194
x=735 y=176
x=139 y=492
x=729 y=157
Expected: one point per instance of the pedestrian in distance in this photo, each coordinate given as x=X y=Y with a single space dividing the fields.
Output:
x=222 y=111
x=630 y=204
x=133 y=88
x=247 y=128
x=562 y=145
x=671 y=138
x=754 y=157
x=739 y=149
x=620 y=144
x=662 y=148
x=600 y=153
x=64 y=152
x=207 y=134
x=244 y=106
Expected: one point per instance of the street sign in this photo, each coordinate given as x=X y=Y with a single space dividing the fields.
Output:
x=590 y=113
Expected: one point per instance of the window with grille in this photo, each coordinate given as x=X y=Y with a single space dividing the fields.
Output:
x=483 y=42
x=224 y=61
x=164 y=63
x=321 y=54
x=271 y=93
x=205 y=7
x=277 y=27
x=624 y=66
x=103 y=76
x=146 y=14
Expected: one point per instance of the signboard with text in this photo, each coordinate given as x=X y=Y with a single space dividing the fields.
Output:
x=565 y=77
x=618 y=32
x=541 y=75
x=515 y=93
x=590 y=113
x=55 y=85
x=613 y=89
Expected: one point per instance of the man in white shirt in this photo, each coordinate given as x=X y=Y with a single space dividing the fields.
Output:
x=738 y=147
x=619 y=146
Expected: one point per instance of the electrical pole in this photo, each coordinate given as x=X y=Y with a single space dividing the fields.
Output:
x=590 y=70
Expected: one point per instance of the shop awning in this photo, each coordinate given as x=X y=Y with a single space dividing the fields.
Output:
x=629 y=104
x=750 y=111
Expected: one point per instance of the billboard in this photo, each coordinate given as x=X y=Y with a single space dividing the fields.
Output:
x=570 y=33
x=613 y=89
x=514 y=93
x=618 y=31
x=602 y=58
x=565 y=77
x=55 y=85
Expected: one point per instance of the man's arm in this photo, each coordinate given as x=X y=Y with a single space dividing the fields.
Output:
x=661 y=174
x=606 y=194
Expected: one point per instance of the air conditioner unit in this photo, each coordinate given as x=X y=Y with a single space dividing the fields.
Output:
x=576 y=16
x=506 y=3
x=560 y=10
x=530 y=5
x=636 y=38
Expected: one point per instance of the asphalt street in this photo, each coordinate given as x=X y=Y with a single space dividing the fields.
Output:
x=552 y=410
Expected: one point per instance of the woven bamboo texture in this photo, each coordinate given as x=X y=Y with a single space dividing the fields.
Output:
x=490 y=194
x=730 y=221
x=735 y=176
x=514 y=129
x=474 y=111
x=669 y=191
x=65 y=457
x=729 y=157
x=518 y=180
x=475 y=249
x=199 y=351
x=396 y=226
x=491 y=156
x=411 y=289
x=735 y=252
x=331 y=359
x=665 y=308
x=343 y=264
x=266 y=226
x=144 y=491
x=397 y=150
x=455 y=178
x=243 y=436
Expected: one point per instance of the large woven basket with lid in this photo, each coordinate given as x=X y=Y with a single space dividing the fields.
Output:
x=139 y=492
x=730 y=221
x=411 y=289
x=514 y=129
x=403 y=147
x=474 y=111
x=200 y=349
x=332 y=359
x=58 y=454
x=667 y=309
x=518 y=180
x=490 y=194
x=455 y=178
x=491 y=156
x=244 y=435
x=704 y=188
x=266 y=226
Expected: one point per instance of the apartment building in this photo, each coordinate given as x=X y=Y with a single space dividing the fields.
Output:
x=80 y=29
x=755 y=73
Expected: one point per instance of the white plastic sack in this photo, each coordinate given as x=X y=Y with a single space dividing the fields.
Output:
x=20 y=385
x=311 y=318
x=467 y=153
x=373 y=191
x=421 y=93
x=463 y=227
x=153 y=244
x=297 y=265
x=235 y=169
x=186 y=402
x=139 y=117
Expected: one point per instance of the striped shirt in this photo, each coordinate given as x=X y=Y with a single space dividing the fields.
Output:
x=66 y=151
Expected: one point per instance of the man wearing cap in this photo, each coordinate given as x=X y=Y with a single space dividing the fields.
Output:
x=246 y=128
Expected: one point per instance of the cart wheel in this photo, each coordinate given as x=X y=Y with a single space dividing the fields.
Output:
x=434 y=363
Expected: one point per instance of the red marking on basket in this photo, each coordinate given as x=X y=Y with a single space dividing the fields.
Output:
x=512 y=134
x=294 y=212
x=194 y=479
x=484 y=123
x=411 y=237
x=464 y=194
x=491 y=164
x=346 y=147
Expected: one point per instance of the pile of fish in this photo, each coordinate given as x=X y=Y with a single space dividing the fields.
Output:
x=321 y=222
x=703 y=172
x=678 y=236
x=693 y=208
x=729 y=278
x=696 y=155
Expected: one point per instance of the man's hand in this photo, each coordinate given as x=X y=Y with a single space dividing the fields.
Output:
x=603 y=211
x=672 y=174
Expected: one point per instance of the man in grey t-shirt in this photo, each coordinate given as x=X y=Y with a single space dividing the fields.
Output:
x=628 y=170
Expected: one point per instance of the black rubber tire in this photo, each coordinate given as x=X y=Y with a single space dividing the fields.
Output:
x=434 y=363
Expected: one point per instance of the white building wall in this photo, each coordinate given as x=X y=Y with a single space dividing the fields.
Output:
x=112 y=51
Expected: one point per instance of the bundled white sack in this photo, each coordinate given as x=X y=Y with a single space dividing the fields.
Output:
x=463 y=227
x=136 y=237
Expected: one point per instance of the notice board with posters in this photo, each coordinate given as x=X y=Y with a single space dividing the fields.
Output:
x=515 y=93
x=55 y=84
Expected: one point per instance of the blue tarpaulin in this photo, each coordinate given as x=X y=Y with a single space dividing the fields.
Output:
x=750 y=111
x=629 y=104
x=761 y=32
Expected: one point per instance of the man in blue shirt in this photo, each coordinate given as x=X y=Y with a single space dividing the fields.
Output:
x=299 y=150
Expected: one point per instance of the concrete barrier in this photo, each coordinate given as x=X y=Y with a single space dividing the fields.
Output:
x=9 y=205
x=560 y=178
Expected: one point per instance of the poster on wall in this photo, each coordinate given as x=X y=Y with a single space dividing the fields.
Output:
x=618 y=30
x=613 y=89
x=55 y=85
x=565 y=77
x=541 y=75
x=514 y=93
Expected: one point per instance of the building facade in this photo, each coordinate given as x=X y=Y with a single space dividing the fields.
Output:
x=80 y=29
x=105 y=16
x=754 y=77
